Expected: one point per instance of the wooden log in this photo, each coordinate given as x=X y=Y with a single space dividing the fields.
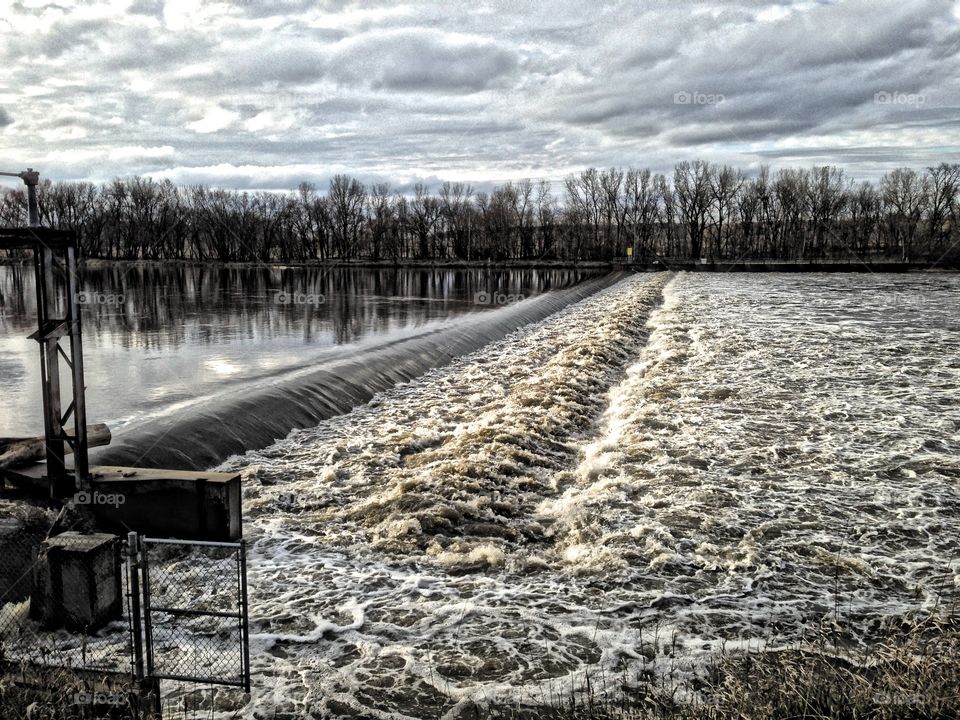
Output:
x=21 y=451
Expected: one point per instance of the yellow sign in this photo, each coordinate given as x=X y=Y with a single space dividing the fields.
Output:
x=629 y=251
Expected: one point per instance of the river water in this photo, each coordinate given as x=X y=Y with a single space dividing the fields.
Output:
x=674 y=465
x=665 y=467
x=159 y=340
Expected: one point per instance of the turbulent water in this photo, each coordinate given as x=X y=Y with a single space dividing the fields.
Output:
x=673 y=465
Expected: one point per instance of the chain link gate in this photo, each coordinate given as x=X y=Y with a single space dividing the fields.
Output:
x=195 y=626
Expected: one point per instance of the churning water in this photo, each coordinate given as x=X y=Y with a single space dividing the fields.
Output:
x=668 y=466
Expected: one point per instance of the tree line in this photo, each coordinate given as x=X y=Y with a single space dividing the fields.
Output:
x=702 y=211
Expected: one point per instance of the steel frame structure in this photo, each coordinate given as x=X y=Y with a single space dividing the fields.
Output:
x=52 y=250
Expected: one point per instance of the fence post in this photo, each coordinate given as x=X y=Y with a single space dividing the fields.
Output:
x=147 y=625
x=245 y=619
x=133 y=570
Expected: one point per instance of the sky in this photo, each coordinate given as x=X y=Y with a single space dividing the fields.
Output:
x=265 y=94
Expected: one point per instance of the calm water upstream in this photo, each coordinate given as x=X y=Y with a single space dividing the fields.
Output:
x=159 y=340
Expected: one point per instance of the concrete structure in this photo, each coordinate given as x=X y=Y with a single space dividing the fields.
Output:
x=163 y=503
x=77 y=581
x=183 y=504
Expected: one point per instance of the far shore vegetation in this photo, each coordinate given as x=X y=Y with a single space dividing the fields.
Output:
x=699 y=212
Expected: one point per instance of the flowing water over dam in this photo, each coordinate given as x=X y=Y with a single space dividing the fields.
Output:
x=174 y=350
x=670 y=466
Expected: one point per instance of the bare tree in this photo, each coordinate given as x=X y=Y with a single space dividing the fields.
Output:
x=346 y=198
x=944 y=190
x=905 y=195
x=640 y=207
x=424 y=211
x=456 y=212
x=725 y=184
x=546 y=219
x=381 y=218
x=826 y=202
x=691 y=183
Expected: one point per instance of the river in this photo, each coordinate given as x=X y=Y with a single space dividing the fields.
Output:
x=648 y=470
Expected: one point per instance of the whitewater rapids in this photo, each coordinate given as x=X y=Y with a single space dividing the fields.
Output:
x=672 y=465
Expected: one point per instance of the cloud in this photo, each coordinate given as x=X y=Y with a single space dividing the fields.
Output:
x=264 y=92
x=136 y=152
x=214 y=119
x=422 y=60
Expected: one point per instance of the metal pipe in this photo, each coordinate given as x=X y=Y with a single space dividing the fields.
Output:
x=147 y=620
x=245 y=616
x=81 y=470
x=199 y=543
x=31 y=179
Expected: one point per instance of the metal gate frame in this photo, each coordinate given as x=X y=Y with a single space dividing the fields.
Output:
x=138 y=565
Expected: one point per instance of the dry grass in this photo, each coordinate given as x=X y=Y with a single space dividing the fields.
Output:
x=41 y=692
x=910 y=672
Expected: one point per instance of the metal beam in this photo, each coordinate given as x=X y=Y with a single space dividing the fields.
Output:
x=47 y=245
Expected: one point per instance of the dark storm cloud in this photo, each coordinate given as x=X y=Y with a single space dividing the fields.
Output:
x=733 y=132
x=266 y=93
x=861 y=154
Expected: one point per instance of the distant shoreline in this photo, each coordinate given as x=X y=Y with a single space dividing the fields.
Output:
x=412 y=264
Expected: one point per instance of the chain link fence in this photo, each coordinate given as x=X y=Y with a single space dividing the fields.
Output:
x=63 y=600
x=172 y=609
x=195 y=610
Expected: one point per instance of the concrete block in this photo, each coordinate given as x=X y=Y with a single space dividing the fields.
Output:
x=184 y=504
x=77 y=582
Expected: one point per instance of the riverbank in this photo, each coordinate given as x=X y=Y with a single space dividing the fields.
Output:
x=832 y=266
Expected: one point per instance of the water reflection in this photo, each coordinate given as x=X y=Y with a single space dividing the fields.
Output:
x=162 y=334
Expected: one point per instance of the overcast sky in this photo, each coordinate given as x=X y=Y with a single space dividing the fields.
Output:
x=267 y=93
